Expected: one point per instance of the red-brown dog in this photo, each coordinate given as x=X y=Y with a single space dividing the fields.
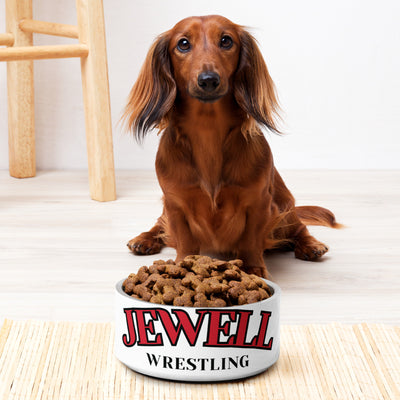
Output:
x=205 y=85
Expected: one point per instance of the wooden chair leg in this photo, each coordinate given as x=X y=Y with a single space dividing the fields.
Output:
x=96 y=99
x=21 y=120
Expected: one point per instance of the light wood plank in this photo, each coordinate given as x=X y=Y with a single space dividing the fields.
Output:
x=43 y=52
x=49 y=28
x=21 y=123
x=6 y=39
x=96 y=97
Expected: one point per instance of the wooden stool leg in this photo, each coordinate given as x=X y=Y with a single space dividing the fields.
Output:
x=96 y=99
x=21 y=120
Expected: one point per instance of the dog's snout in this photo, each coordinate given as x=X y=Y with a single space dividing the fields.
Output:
x=208 y=81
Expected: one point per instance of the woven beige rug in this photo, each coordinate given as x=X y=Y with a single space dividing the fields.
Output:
x=65 y=360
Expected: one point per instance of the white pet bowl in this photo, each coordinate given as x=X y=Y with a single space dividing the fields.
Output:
x=197 y=344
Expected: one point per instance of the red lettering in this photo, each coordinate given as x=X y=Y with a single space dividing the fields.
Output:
x=131 y=329
x=143 y=328
x=262 y=332
x=239 y=338
x=215 y=328
x=184 y=325
x=241 y=333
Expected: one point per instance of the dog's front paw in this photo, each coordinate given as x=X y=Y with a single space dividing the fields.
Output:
x=309 y=249
x=142 y=245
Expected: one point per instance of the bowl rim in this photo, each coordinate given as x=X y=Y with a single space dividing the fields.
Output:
x=275 y=295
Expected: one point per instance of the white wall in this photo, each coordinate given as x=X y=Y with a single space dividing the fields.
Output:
x=336 y=65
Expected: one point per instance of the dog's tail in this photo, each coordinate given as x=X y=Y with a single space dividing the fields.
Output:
x=314 y=215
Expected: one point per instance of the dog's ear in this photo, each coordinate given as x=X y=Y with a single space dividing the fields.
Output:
x=154 y=92
x=254 y=89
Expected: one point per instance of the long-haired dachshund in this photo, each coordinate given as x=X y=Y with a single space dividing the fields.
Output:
x=206 y=87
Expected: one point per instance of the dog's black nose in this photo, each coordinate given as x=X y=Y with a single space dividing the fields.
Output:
x=208 y=81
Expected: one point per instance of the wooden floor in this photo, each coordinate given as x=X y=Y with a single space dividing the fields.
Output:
x=62 y=253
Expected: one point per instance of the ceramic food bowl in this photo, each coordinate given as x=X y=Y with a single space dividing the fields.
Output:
x=197 y=344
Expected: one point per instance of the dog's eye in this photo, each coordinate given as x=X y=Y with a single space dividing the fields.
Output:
x=226 y=42
x=184 y=45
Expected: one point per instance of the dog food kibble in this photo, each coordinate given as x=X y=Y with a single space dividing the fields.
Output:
x=197 y=281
